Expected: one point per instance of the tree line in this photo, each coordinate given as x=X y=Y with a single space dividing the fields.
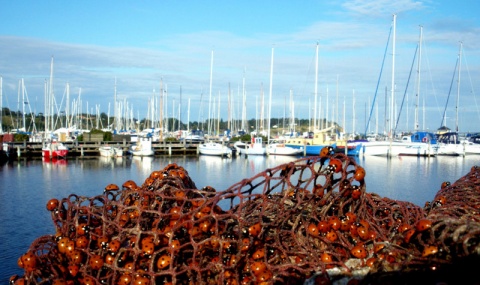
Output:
x=15 y=120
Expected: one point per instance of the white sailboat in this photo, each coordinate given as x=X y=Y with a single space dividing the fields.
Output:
x=386 y=147
x=448 y=141
x=390 y=147
x=276 y=147
x=472 y=144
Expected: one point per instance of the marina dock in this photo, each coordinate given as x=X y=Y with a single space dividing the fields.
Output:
x=90 y=149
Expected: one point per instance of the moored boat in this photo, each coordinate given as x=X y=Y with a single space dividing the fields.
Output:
x=54 y=150
x=217 y=149
x=315 y=141
x=276 y=147
x=472 y=144
x=353 y=148
x=419 y=144
x=256 y=147
x=142 y=148
x=110 y=151
x=449 y=144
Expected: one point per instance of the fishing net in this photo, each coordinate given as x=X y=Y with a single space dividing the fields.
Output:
x=309 y=221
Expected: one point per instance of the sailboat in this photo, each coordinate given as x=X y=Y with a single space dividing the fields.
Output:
x=448 y=141
x=472 y=144
x=390 y=147
x=277 y=146
x=313 y=142
x=51 y=149
x=385 y=147
x=419 y=143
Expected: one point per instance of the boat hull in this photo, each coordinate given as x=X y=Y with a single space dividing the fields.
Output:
x=310 y=149
x=250 y=149
x=281 y=149
x=386 y=148
x=142 y=148
x=472 y=148
x=451 y=149
x=108 y=151
x=145 y=152
x=55 y=151
x=214 y=149
x=352 y=149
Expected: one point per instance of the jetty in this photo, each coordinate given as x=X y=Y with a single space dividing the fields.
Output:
x=91 y=149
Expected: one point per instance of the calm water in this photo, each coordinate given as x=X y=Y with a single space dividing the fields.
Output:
x=26 y=186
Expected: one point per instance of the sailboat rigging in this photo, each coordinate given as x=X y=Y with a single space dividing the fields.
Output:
x=378 y=81
x=51 y=149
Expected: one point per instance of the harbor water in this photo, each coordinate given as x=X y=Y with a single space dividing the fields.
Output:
x=27 y=185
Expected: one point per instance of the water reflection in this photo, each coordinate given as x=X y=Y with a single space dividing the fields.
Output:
x=143 y=164
x=28 y=185
x=413 y=179
x=54 y=162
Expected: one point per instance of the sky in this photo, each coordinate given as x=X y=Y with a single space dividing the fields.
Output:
x=208 y=51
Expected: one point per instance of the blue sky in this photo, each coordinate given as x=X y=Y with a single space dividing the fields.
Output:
x=142 y=42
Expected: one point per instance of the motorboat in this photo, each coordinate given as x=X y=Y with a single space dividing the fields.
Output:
x=314 y=142
x=278 y=147
x=255 y=147
x=110 y=151
x=213 y=148
x=472 y=144
x=142 y=148
x=449 y=144
x=54 y=150
x=353 y=148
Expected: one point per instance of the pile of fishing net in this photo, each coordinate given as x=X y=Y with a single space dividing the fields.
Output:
x=309 y=221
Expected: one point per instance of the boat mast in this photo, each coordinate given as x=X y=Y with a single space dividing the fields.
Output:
x=344 y=118
x=315 y=90
x=336 y=105
x=326 y=109
x=1 y=106
x=23 y=106
x=218 y=114
x=210 y=96
x=244 y=104
x=270 y=97
x=262 y=108
x=115 y=107
x=49 y=102
x=392 y=103
x=458 y=85
x=229 y=108
x=67 y=107
x=180 y=110
x=292 y=113
x=417 y=101
x=353 y=112
x=80 y=107
x=188 y=116
x=160 y=119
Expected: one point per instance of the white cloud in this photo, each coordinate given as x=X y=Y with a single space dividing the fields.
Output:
x=350 y=48
x=380 y=8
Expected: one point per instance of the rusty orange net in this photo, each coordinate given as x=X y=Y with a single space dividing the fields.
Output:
x=310 y=220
